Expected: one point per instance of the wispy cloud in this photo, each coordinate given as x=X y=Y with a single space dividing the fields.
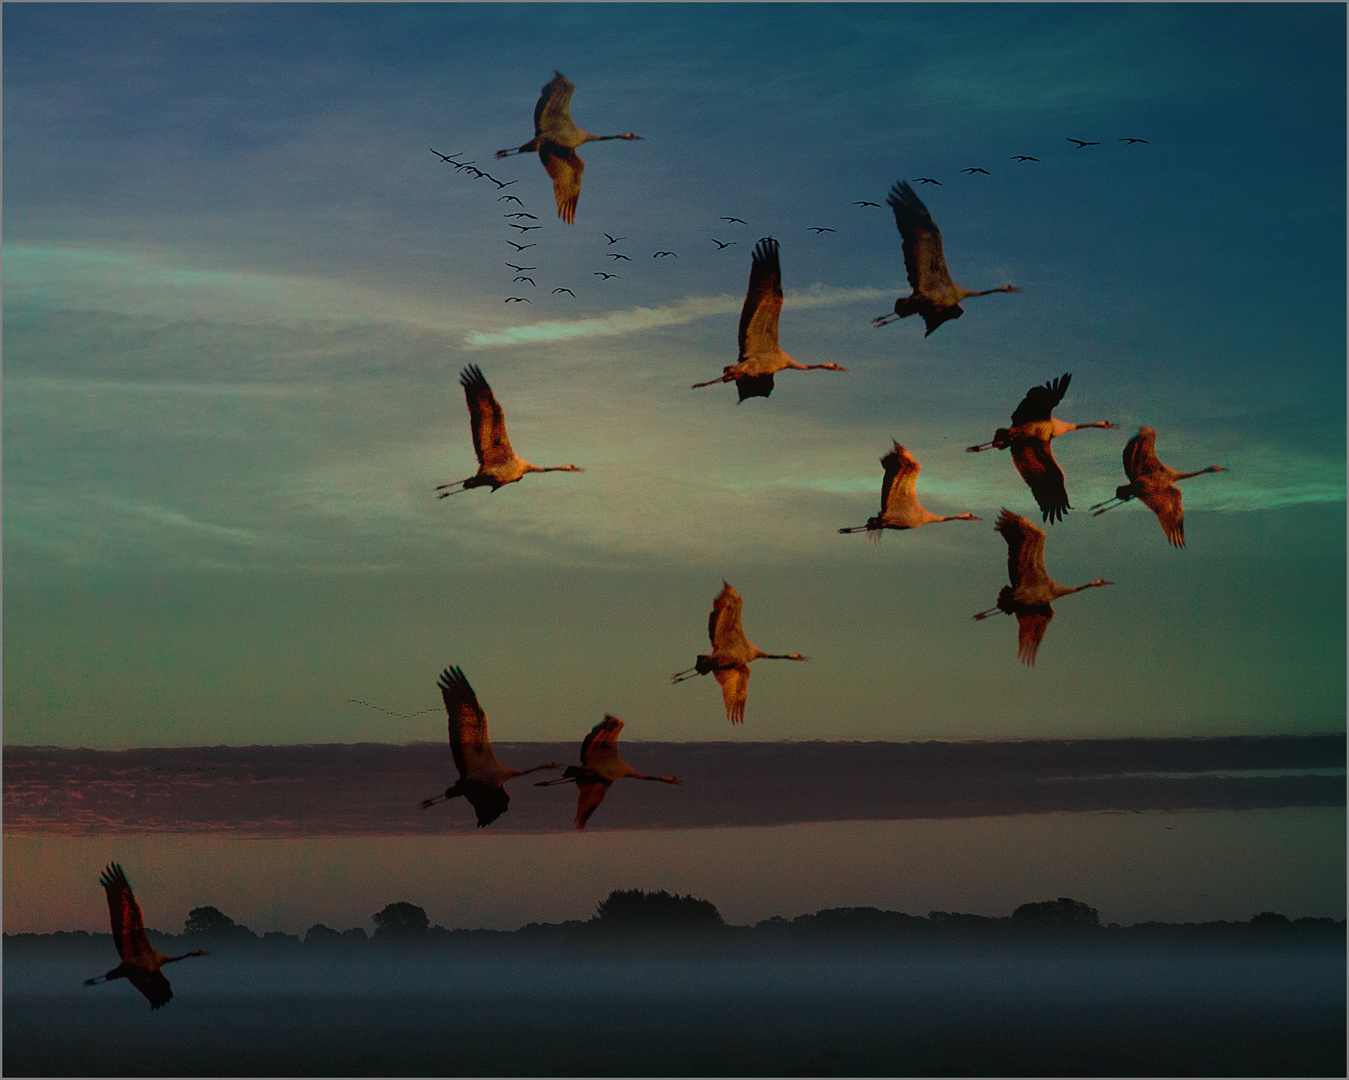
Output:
x=643 y=318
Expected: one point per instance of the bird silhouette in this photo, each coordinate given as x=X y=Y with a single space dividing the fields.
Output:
x=520 y=269
x=740 y=221
x=927 y=180
x=600 y=767
x=503 y=183
x=141 y=961
x=984 y=171
x=936 y=297
x=517 y=300
x=523 y=228
x=526 y=277
x=1024 y=157
x=900 y=508
x=446 y=157
x=864 y=202
x=509 y=198
x=1032 y=590
x=662 y=254
x=601 y=274
x=1131 y=141
x=556 y=139
x=614 y=239
x=522 y=214
x=567 y=291
x=615 y=255
x=817 y=229
x=731 y=654
x=481 y=776
x=722 y=246
x=497 y=462
x=1081 y=143
x=1153 y=484
x=1029 y=436
x=521 y=247
x=760 y=355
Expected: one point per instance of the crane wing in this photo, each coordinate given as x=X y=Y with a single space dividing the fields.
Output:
x=554 y=106
x=565 y=167
x=469 y=741
x=763 y=302
x=923 y=258
x=489 y=801
x=152 y=984
x=754 y=386
x=1039 y=401
x=734 y=690
x=128 y=928
x=1025 y=548
x=490 y=441
x=1166 y=504
x=590 y=792
x=1140 y=454
x=1034 y=460
x=723 y=625
x=898 y=487
x=1031 y=621
x=602 y=742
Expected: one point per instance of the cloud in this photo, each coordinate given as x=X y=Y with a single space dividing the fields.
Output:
x=370 y=789
x=642 y=318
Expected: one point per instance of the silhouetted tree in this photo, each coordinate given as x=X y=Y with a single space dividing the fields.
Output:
x=1270 y=922
x=635 y=909
x=401 y=920
x=1060 y=912
x=208 y=920
x=354 y=935
x=318 y=934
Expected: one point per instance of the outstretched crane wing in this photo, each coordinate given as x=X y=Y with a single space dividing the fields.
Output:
x=469 y=742
x=1140 y=454
x=590 y=792
x=490 y=441
x=1166 y=504
x=128 y=928
x=553 y=109
x=1025 y=548
x=1031 y=621
x=923 y=258
x=723 y=625
x=763 y=302
x=565 y=167
x=899 y=485
x=1034 y=460
x=602 y=742
x=1040 y=401
x=734 y=690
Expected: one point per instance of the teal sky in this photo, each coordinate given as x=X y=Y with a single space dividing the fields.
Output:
x=239 y=290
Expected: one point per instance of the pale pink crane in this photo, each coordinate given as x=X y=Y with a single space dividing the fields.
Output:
x=497 y=462
x=761 y=357
x=1032 y=590
x=481 y=775
x=936 y=297
x=900 y=508
x=1032 y=429
x=731 y=654
x=556 y=139
x=141 y=961
x=1153 y=484
x=600 y=767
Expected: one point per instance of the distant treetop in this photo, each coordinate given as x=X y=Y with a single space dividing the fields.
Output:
x=637 y=909
x=1061 y=912
x=401 y=919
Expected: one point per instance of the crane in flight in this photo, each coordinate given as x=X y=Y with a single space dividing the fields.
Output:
x=556 y=139
x=600 y=767
x=731 y=654
x=760 y=355
x=936 y=297
x=1029 y=436
x=1081 y=143
x=481 y=776
x=141 y=961
x=1153 y=484
x=900 y=508
x=498 y=464
x=1032 y=590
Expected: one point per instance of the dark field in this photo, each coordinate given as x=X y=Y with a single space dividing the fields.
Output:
x=915 y=1010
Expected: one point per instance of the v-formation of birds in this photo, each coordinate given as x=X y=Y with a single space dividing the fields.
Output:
x=935 y=298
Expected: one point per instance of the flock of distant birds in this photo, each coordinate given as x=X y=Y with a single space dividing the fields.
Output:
x=936 y=298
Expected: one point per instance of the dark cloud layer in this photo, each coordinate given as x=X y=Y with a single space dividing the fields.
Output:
x=373 y=789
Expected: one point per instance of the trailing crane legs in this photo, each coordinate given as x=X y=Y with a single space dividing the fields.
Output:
x=481 y=776
x=900 y=508
x=497 y=462
x=600 y=767
x=731 y=654
x=1153 y=484
x=1032 y=590
x=761 y=357
x=556 y=139
x=1032 y=429
x=936 y=297
x=141 y=961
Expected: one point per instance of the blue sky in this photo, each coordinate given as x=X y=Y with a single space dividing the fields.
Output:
x=240 y=288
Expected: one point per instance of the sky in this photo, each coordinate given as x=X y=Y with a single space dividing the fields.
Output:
x=240 y=289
